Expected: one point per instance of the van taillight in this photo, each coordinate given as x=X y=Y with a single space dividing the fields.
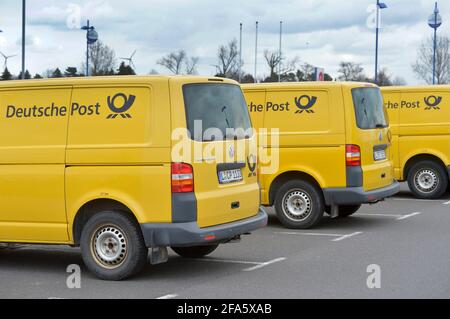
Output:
x=182 y=178
x=352 y=155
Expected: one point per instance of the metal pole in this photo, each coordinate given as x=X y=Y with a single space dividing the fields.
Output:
x=376 y=42
x=435 y=44
x=240 y=53
x=87 y=50
x=279 y=52
x=256 y=51
x=23 y=38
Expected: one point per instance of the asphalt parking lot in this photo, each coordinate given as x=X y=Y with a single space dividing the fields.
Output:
x=405 y=238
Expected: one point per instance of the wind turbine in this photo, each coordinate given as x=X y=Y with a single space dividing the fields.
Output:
x=6 y=57
x=130 y=60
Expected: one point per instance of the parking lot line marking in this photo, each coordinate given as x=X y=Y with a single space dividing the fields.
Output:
x=447 y=203
x=171 y=296
x=308 y=234
x=229 y=261
x=347 y=236
x=409 y=215
x=261 y=265
x=379 y=215
x=414 y=199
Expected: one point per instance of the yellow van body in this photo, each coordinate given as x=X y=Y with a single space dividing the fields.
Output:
x=420 y=125
x=316 y=121
x=71 y=148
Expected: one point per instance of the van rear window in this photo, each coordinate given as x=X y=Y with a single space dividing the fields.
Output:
x=369 y=109
x=216 y=111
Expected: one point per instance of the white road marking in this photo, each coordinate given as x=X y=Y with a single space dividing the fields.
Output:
x=257 y=265
x=379 y=215
x=339 y=236
x=414 y=199
x=447 y=203
x=171 y=296
x=347 y=236
x=261 y=265
x=308 y=234
x=228 y=261
x=408 y=216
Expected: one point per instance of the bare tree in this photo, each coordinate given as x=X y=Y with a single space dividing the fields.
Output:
x=384 y=78
x=179 y=63
x=228 y=60
x=399 y=81
x=191 y=65
x=102 y=59
x=273 y=59
x=423 y=67
x=173 y=61
x=349 y=71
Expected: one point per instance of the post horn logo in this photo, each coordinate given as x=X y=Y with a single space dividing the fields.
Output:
x=127 y=103
x=305 y=107
x=251 y=163
x=433 y=102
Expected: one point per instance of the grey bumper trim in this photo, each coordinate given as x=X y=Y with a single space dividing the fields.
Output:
x=357 y=195
x=189 y=234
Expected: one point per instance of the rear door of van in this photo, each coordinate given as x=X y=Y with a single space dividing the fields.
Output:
x=368 y=129
x=223 y=160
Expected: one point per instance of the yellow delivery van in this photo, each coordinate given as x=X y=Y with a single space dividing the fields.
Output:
x=332 y=148
x=420 y=121
x=97 y=163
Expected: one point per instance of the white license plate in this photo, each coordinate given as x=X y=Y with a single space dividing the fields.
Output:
x=379 y=155
x=230 y=176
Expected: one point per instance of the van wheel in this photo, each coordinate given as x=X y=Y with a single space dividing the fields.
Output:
x=195 y=251
x=299 y=205
x=427 y=180
x=112 y=246
x=344 y=210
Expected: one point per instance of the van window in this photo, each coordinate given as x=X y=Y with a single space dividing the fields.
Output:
x=218 y=106
x=369 y=110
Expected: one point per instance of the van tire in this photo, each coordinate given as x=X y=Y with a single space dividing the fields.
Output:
x=299 y=204
x=114 y=230
x=422 y=174
x=195 y=251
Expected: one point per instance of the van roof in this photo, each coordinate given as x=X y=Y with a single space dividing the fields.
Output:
x=124 y=79
x=325 y=84
x=417 y=88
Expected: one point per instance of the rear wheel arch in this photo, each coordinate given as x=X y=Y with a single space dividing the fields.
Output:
x=93 y=207
x=419 y=158
x=288 y=176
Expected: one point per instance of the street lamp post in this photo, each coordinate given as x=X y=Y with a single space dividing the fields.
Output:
x=23 y=37
x=91 y=38
x=435 y=21
x=380 y=5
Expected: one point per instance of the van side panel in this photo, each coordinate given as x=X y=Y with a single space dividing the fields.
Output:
x=32 y=152
x=121 y=155
x=311 y=140
x=424 y=128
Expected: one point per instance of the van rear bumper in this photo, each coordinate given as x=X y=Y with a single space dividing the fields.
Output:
x=357 y=195
x=189 y=234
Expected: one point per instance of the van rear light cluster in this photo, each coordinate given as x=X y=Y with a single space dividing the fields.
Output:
x=182 y=178
x=352 y=155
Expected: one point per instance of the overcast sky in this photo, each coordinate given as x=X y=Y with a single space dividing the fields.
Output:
x=320 y=32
